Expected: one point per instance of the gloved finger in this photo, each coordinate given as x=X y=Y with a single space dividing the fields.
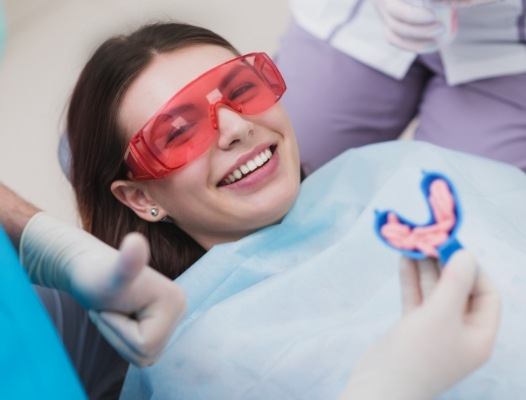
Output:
x=485 y=304
x=408 y=13
x=456 y=284
x=133 y=256
x=428 y=274
x=119 y=339
x=415 y=32
x=157 y=322
x=147 y=333
x=409 y=285
x=413 y=45
x=483 y=317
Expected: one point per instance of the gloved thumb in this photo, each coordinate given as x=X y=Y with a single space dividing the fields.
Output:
x=456 y=284
x=133 y=257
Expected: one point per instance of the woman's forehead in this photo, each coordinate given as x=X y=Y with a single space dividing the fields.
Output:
x=163 y=77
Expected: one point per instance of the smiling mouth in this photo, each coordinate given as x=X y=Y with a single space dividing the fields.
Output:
x=249 y=167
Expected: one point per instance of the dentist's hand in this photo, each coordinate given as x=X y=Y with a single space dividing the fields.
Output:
x=408 y=26
x=447 y=331
x=470 y=3
x=133 y=306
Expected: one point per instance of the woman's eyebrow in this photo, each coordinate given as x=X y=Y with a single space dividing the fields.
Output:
x=231 y=75
x=224 y=83
x=179 y=109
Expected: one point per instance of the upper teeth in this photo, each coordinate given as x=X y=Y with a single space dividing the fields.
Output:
x=249 y=166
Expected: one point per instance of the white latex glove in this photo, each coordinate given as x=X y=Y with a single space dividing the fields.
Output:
x=133 y=306
x=448 y=330
x=422 y=26
x=410 y=26
x=470 y=3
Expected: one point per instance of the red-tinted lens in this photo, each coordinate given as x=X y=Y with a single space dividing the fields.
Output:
x=185 y=126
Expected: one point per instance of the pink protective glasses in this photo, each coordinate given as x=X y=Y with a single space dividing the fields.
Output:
x=186 y=126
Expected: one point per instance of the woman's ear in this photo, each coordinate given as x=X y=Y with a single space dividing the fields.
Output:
x=135 y=197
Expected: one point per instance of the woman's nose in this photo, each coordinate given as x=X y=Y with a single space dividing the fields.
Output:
x=233 y=128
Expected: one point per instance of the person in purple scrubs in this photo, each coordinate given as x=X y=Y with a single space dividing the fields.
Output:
x=368 y=68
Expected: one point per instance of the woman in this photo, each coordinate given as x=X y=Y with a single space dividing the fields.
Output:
x=237 y=168
x=138 y=205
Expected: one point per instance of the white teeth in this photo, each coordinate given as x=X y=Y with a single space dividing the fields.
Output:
x=259 y=160
x=250 y=166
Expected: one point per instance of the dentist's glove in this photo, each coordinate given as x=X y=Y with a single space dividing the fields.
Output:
x=410 y=26
x=470 y=3
x=133 y=306
x=447 y=331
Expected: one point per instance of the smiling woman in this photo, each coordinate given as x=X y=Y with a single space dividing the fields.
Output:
x=234 y=119
x=221 y=148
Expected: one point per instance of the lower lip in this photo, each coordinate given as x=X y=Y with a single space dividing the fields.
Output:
x=259 y=176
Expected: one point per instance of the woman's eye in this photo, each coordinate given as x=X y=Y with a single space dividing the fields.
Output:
x=176 y=132
x=241 y=90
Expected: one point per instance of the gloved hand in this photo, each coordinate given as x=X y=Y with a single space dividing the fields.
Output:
x=448 y=330
x=410 y=25
x=421 y=26
x=470 y=3
x=133 y=306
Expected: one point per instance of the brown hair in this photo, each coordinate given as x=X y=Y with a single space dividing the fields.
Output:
x=97 y=145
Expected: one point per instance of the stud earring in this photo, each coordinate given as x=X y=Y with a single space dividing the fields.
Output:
x=154 y=212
